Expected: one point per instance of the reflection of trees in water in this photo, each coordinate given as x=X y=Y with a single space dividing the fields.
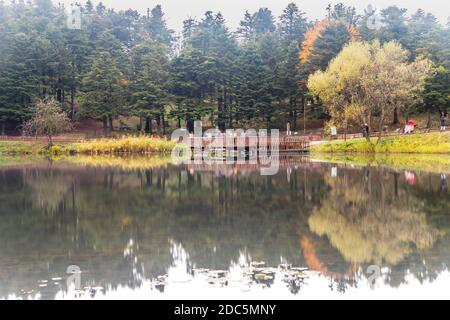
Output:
x=322 y=257
x=427 y=264
x=367 y=223
x=95 y=213
x=375 y=217
x=48 y=189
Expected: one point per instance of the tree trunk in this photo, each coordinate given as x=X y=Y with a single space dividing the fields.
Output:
x=230 y=112
x=429 y=119
x=111 y=123
x=395 y=116
x=220 y=112
x=148 y=125
x=158 y=123
x=291 y=110
x=367 y=132
x=380 y=127
x=211 y=101
x=294 y=113
x=141 y=124
x=50 y=141
x=163 y=120
x=105 y=125
x=225 y=110
x=190 y=125
x=72 y=104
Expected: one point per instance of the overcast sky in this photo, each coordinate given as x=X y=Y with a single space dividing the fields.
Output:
x=233 y=10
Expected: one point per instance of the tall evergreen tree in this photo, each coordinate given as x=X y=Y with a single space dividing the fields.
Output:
x=264 y=21
x=436 y=96
x=328 y=45
x=103 y=95
x=394 y=25
x=246 y=29
x=158 y=29
x=150 y=87
x=293 y=24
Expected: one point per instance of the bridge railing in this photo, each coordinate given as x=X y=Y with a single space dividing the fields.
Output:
x=284 y=142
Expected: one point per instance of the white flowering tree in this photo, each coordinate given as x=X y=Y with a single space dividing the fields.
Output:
x=48 y=119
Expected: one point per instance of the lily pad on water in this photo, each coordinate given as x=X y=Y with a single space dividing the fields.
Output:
x=299 y=269
x=284 y=266
x=257 y=264
x=263 y=277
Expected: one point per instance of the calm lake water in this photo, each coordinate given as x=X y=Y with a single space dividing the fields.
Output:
x=314 y=230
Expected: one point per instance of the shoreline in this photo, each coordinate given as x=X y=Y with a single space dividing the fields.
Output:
x=420 y=143
x=127 y=145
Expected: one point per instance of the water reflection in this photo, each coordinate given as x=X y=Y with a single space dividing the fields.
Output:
x=166 y=231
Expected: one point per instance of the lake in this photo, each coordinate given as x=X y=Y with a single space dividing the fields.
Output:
x=144 y=229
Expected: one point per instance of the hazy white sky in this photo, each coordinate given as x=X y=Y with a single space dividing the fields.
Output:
x=233 y=10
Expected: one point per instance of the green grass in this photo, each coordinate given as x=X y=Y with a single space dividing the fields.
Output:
x=415 y=143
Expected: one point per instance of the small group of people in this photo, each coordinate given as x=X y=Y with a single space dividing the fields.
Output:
x=411 y=125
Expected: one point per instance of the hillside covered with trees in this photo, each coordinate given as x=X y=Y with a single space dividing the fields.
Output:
x=128 y=64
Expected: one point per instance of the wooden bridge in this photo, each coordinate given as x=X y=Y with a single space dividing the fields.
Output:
x=284 y=144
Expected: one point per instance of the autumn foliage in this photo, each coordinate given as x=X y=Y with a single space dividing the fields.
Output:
x=313 y=33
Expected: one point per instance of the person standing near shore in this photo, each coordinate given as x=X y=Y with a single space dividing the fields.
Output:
x=444 y=120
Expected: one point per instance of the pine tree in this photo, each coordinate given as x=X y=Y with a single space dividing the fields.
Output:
x=103 y=96
x=89 y=7
x=185 y=86
x=246 y=29
x=254 y=90
x=263 y=21
x=436 y=96
x=19 y=79
x=158 y=29
x=394 y=25
x=328 y=45
x=150 y=88
x=293 y=24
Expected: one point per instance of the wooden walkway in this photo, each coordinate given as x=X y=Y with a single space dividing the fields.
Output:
x=284 y=144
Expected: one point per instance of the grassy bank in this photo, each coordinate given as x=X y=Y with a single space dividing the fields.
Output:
x=414 y=143
x=124 y=145
x=436 y=163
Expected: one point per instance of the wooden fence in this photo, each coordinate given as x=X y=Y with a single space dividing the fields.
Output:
x=39 y=139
